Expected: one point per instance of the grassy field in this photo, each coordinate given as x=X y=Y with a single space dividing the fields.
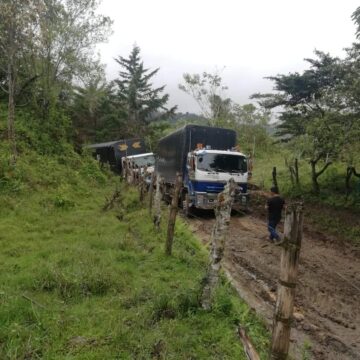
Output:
x=330 y=211
x=80 y=283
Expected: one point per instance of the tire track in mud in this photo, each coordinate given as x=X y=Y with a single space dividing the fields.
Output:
x=327 y=301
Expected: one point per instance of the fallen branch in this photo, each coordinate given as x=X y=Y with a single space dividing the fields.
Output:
x=109 y=204
x=249 y=349
x=33 y=301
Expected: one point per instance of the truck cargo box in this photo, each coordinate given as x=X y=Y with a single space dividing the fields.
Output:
x=112 y=152
x=173 y=149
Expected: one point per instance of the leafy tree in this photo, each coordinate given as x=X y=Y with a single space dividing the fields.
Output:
x=45 y=47
x=87 y=109
x=314 y=111
x=251 y=124
x=356 y=18
x=19 y=22
x=206 y=89
x=140 y=102
x=303 y=97
x=70 y=30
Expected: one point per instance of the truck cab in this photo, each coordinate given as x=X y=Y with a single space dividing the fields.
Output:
x=207 y=172
x=142 y=161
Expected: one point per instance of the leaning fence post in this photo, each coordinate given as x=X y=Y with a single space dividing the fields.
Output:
x=220 y=231
x=172 y=216
x=157 y=203
x=288 y=275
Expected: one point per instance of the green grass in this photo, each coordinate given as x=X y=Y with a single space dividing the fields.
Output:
x=77 y=283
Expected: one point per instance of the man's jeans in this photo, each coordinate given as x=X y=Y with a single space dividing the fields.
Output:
x=272 y=230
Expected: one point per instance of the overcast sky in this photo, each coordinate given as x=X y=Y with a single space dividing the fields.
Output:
x=249 y=39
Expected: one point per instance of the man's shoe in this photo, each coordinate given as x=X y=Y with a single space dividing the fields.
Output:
x=279 y=240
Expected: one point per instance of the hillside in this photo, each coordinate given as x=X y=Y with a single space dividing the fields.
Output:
x=82 y=283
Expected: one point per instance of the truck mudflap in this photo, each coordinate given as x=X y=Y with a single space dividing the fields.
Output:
x=203 y=200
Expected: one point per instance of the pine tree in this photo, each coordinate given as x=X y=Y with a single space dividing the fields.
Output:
x=141 y=102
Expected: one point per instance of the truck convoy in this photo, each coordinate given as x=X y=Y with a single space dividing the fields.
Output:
x=206 y=158
x=112 y=152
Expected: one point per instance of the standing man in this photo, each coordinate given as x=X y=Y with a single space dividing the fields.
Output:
x=274 y=205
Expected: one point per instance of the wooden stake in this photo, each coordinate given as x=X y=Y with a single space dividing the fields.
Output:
x=220 y=230
x=124 y=169
x=288 y=276
x=172 y=216
x=151 y=191
x=142 y=184
x=157 y=204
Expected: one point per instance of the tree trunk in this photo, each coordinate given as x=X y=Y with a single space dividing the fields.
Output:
x=315 y=184
x=355 y=173
x=220 y=231
x=315 y=174
x=288 y=276
x=274 y=178
x=172 y=217
x=11 y=110
x=296 y=168
x=291 y=171
x=349 y=173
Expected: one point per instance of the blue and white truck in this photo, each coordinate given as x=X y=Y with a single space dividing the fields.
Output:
x=207 y=159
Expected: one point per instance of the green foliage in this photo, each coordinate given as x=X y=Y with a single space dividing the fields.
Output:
x=206 y=89
x=45 y=48
x=62 y=202
x=136 y=96
x=35 y=172
x=250 y=123
x=90 y=110
x=306 y=351
x=320 y=110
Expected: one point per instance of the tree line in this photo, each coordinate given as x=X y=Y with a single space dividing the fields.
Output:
x=320 y=112
x=53 y=91
x=52 y=84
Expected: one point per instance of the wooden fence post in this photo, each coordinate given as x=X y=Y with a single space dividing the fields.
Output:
x=288 y=275
x=124 y=169
x=172 y=217
x=151 y=191
x=142 y=185
x=219 y=233
x=130 y=173
x=157 y=203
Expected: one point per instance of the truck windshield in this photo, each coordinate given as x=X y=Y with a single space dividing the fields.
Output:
x=222 y=163
x=148 y=160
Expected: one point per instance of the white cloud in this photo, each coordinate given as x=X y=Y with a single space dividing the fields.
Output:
x=252 y=39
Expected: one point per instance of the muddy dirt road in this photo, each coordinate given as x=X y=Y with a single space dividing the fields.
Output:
x=327 y=304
